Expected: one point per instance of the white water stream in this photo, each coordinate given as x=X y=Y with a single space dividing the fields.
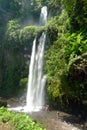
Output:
x=36 y=83
x=43 y=15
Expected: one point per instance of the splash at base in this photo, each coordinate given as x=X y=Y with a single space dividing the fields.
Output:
x=25 y=109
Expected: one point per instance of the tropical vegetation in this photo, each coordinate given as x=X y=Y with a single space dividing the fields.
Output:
x=18 y=121
x=66 y=48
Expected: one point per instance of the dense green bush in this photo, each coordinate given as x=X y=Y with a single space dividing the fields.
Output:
x=55 y=67
x=17 y=37
x=12 y=33
x=23 y=82
x=75 y=45
x=57 y=26
x=59 y=61
x=28 y=33
x=19 y=121
x=77 y=11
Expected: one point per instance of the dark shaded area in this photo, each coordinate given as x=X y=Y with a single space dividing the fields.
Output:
x=76 y=121
x=3 y=103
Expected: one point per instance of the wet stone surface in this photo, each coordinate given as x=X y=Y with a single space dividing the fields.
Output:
x=63 y=121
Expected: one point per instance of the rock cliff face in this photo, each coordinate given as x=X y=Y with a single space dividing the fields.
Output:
x=78 y=68
x=78 y=76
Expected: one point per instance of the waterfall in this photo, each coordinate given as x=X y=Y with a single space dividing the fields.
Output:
x=36 y=79
x=43 y=15
x=36 y=82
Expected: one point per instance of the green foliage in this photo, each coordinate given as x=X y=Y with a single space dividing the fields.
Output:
x=65 y=46
x=55 y=67
x=52 y=31
x=59 y=57
x=77 y=11
x=28 y=33
x=23 y=82
x=63 y=22
x=13 y=7
x=19 y=121
x=12 y=26
x=70 y=5
x=12 y=32
x=16 y=36
x=75 y=45
x=23 y=85
x=57 y=26
x=36 y=4
x=5 y=115
x=77 y=74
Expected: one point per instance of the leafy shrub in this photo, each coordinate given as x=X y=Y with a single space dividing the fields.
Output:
x=19 y=121
x=75 y=45
x=77 y=11
x=55 y=67
x=23 y=82
x=57 y=26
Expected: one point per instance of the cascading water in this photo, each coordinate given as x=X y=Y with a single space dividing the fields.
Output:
x=36 y=83
x=36 y=80
x=43 y=15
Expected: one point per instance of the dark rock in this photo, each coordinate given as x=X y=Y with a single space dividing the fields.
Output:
x=78 y=67
x=3 y=103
